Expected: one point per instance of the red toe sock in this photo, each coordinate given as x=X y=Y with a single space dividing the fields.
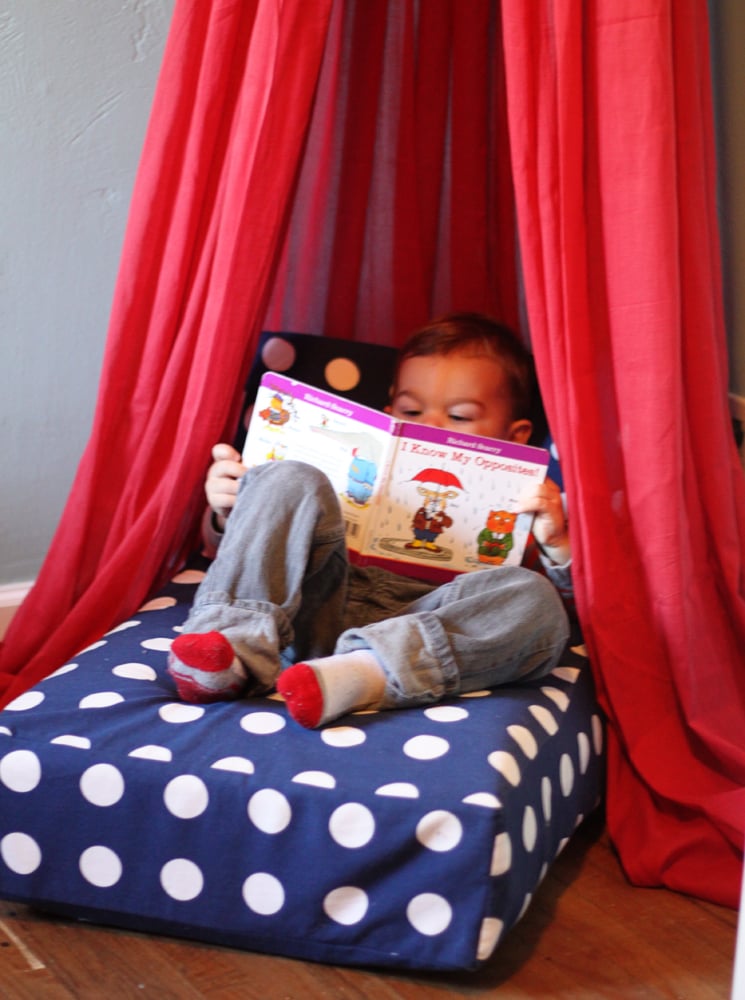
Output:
x=302 y=693
x=208 y=651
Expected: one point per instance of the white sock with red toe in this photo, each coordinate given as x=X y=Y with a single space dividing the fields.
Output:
x=319 y=691
x=205 y=668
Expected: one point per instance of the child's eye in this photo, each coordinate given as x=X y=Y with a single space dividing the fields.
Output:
x=460 y=418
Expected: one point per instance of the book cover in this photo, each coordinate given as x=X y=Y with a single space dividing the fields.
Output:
x=420 y=500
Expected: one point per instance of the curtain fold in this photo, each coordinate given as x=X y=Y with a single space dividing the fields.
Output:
x=404 y=207
x=209 y=210
x=611 y=126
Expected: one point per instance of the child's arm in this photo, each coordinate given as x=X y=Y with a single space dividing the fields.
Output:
x=221 y=484
x=550 y=528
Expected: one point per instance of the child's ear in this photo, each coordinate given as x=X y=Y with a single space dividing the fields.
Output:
x=520 y=431
x=389 y=407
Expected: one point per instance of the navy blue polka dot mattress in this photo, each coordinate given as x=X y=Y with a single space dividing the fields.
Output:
x=403 y=839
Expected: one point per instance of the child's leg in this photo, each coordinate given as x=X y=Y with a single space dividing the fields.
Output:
x=481 y=630
x=279 y=578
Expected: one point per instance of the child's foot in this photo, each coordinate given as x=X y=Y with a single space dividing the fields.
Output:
x=205 y=668
x=319 y=691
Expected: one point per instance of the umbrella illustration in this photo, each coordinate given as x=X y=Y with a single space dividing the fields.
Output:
x=440 y=477
x=446 y=483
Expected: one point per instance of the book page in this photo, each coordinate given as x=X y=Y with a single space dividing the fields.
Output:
x=349 y=442
x=450 y=501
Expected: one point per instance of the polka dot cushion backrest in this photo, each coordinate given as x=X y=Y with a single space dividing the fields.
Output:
x=362 y=372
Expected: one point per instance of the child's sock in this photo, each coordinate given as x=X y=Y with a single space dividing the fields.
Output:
x=205 y=668
x=319 y=691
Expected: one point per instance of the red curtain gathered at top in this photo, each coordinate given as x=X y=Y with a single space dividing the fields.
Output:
x=209 y=210
x=302 y=170
x=354 y=168
x=405 y=207
x=611 y=129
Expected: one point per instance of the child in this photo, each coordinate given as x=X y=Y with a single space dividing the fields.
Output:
x=366 y=637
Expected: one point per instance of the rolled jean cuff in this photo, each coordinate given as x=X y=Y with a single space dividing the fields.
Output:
x=419 y=671
x=255 y=629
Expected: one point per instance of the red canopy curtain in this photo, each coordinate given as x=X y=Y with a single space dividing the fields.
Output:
x=220 y=161
x=377 y=133
x=611 y=130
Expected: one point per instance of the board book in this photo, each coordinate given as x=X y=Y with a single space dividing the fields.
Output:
x=423 y=501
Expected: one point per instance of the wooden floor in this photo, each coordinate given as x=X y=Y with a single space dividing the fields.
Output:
x=587 y=934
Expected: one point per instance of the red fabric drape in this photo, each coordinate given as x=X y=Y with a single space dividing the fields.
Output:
x=611 y=130
x=209 y=210
x=339 y=120
x=404 y=207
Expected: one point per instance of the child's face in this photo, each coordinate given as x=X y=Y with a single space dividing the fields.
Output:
x=464 y=392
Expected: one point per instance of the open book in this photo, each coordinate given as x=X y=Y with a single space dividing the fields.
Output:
x=420 y=500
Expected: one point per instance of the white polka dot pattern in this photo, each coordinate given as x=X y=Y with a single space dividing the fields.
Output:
x=262 y=723
x=20 y=771
x=352 y=825
x=346 y=905
x=100 y=866
x=269 y=811
x=439 y=831
x=102 y=785
x=181 y=879
x=186 y=796
x=429 y=914
x=342 y=736
x=371 y=840
x=20 y=853
x=25 y=702
x=264 y=894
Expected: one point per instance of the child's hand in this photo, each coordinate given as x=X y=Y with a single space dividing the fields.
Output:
x=223 y=477
x=550 y=527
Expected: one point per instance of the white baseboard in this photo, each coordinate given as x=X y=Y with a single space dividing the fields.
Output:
x=737 y=406
x=738 y=984
x=13 y=594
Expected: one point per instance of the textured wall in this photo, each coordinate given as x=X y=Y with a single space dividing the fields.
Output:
x=76 y=85
x=728 y=46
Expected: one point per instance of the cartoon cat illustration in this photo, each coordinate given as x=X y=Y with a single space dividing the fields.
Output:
x=495 y=540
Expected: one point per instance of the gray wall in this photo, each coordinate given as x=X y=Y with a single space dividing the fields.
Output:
x=76 y=83
x=728 y=59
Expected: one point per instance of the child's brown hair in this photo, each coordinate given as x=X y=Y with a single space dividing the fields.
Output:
x=478 y=334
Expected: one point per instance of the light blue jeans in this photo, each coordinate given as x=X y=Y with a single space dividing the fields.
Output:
x=281 y=589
